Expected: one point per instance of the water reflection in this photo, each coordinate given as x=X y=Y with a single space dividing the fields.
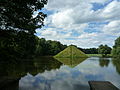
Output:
x=51 y=74
x=71 y=62
x=14 y=85
x=116 y=63
x=19 y=69
x=53 y=80
x=12 y=71
x=104 y=62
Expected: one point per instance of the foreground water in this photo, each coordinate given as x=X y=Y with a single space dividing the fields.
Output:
x=60 y=74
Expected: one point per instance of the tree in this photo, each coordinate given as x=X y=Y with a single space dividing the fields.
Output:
x=48 y=47
x=17 y=15
x=116 y=48
x=117 y=42
x=17 y=27
x=89 y=50
x=16 y=45
x=104 y=50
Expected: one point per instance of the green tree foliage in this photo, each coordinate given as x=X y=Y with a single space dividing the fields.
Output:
x=116 y=48
x=104 y=50
x=17 y=14
x=48 y=47
x=17 y=27
x=42 y=47
x=55 y=47
x=89 y=50
x=18 y=45
x=117 y=42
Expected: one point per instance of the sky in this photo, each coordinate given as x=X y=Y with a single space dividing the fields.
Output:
x=85 y=23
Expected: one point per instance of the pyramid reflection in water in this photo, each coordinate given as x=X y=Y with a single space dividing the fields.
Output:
x=71 y=62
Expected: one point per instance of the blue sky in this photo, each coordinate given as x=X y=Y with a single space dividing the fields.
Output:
x=85 y=23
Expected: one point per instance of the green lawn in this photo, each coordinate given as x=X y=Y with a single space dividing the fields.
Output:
x=97 y=55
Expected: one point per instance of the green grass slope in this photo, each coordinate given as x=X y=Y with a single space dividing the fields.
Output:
x=70 y=52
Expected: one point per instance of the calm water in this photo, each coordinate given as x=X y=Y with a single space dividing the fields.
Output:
x=59 y=74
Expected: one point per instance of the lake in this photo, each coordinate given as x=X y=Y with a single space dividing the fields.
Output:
x=47 y=73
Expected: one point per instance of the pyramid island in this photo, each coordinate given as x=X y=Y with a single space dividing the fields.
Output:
x=71 y=52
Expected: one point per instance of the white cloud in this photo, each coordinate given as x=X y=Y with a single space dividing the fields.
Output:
x=62 y=19
x=83 y=13
x=48 y=32
x=111 y=11
x=87 y=40
x=87 y=35
x=73 y=17
x=53 y=34
x=65 y=4
x=112 y=28
x=84 y=40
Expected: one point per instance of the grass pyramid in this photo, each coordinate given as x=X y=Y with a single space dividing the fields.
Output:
x=71 y=52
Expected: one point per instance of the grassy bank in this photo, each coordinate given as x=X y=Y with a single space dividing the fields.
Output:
x=97 y=55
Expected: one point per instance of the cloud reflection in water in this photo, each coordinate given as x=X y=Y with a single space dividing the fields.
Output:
x=66 y=78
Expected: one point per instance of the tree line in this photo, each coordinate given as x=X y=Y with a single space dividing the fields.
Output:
x=48 y=47
x=89 y=50
x=104 y=50
x=20 y=44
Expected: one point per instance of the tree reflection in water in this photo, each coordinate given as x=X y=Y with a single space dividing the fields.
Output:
x=12 y=71
x=104 y=62
x=116 y=63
